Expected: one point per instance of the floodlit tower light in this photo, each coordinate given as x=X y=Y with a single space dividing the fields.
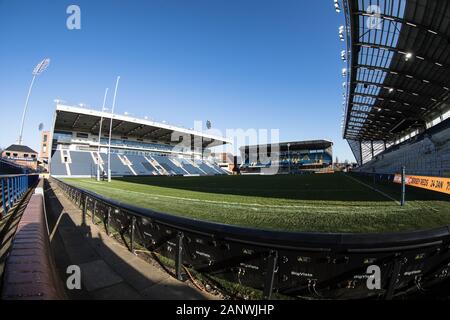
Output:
x=341 y=33
x=40 y=67
x=343 y=55
x=408 y=56
x=337 y=7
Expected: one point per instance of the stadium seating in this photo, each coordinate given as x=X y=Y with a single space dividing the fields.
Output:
x=170 y=167
x=187 y=165
x=58 y=168
x=118 y=168
x=83 y=163
x=216 y=167
x=427 y=155
x=205 y=168
x=141 y=165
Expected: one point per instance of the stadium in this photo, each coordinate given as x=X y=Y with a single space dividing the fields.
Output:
x=138 y=147
x=285 y=223
x=290 y=157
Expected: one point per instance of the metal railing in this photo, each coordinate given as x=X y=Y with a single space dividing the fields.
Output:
x=13 y=188
x=302 y=265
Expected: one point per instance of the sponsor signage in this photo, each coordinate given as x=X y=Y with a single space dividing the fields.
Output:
x=430 y=183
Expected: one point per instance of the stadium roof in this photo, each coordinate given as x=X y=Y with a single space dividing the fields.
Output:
x=308 y=144
x=70 y=118
x=398 y=70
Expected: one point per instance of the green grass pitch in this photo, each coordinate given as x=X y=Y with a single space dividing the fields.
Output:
x=318 y=202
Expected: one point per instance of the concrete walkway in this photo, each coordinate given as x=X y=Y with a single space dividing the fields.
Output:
x=108 y=269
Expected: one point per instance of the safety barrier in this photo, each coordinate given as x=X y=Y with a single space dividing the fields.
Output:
x=312 y=265
x=13 y=187
x=437 y=184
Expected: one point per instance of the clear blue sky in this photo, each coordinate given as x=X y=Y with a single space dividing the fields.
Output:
x=239 y=63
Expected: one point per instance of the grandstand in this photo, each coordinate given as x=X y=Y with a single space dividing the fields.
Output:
x=138 y=147
x=288 y=157
x=397 y=90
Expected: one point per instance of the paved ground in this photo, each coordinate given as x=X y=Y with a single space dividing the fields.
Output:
x=8 y=227
x=109 y=270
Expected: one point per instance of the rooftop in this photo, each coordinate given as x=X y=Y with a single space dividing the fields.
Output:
x=70 y=118
x=20 y=148
x=398 y=70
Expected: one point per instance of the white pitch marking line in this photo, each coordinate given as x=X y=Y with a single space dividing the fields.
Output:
x=226 y=203
x=374 y=189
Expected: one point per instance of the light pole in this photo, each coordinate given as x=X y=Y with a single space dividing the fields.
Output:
x=110 y=129
x=40 y=67
x=100 y=136
x=289 y=157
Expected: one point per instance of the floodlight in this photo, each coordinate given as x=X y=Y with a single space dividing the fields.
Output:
x=341 y=33
x=337 y=6
x=41 y=66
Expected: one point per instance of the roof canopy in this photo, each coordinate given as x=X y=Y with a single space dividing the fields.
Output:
x=398 y=69
x=297 y=145
x=69 y=118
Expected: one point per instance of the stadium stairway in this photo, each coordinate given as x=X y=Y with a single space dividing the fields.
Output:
x=190 y=168
x=215 y=167
x=118 y=168
x=160 y=170
x=205 y=168
x=178 y=163
x=141 y=166
x=170 y=167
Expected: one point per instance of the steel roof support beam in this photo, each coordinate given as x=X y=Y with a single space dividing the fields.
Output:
x=445 y=67
x=398 y=89
x=134 y=129
x=149 y=133
x=405 y=22
x=389 y=99
x=118 y=125
x=95 y=125
x=405 y=75
x=76 y=120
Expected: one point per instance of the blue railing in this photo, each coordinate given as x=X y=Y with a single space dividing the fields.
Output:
x=13 y=188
